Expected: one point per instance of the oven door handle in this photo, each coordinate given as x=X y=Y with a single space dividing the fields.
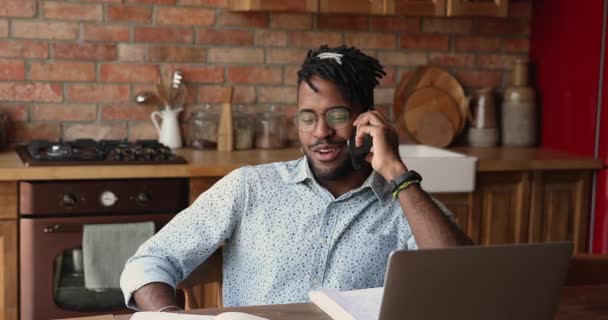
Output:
x=58 y=228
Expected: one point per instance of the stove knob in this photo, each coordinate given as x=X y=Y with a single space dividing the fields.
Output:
x=143 y=197
x=69 y=200
x=108 y=198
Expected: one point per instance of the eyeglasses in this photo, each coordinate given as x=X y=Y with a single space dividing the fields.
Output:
x=336 y=118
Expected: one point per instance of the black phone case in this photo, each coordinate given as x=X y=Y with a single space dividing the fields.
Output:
x=358 y=154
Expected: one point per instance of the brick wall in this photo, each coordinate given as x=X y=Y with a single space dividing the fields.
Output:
x=71 y=69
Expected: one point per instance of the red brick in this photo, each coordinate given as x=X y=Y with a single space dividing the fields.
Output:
x=447 y=25
x=395 y=24
x=72 y=11
x=389 y=79
x=255 y=75
x=93 y=32
x=470 y=78
x=203 y=74
x=343 y=22
x=244 y=95
x=452 y=60
x=18 y=91
x=61 y=71
x=187 y=16
x=102 y=1
x=64 y=113
x=23 y=49
x=291 y=21
x=213 y=94
x=95 y=93
x=110 y=131
x=520 y=8
x=16 y=112
x=45 y=30
x=142 y=131
x=496 y=61
x=3 y=28
x=277 y=94
x=384 y=95
x=127 y=112
x=224 y=37
x=17 y=8
x=425 y=42
x=517 y=45
x=206 y=3
x=12 y=70
x=235 y=55
x=314 y=39
x=151 y=1
x=501 y=26
x=163 y=34
x=132 y=52
x=286 y=56
x=402 y=58
x=128 y=72
x=244 y=19
x=22 y=132
x=270 y=38
x=371 y=40
x=290 y=76
x=176 y=54
x=84 y=51
x=119 y=13
x=477 y=43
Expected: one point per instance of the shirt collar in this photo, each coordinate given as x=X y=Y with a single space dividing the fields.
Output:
x=299 y=171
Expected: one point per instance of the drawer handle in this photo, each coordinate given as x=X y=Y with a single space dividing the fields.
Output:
x=58 y=228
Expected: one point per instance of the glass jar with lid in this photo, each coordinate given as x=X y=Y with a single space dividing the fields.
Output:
x=202 y=127
x=244 y=128
x=271 y=129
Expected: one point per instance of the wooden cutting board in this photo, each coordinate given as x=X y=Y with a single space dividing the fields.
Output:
x=430 y=76
x=430 y=127
x=432 y=98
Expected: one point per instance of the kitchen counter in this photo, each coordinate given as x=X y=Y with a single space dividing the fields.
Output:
x=218 y=164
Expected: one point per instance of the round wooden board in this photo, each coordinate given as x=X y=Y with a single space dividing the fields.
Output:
x=431 y=127
x=431 y=98
x=430 y=76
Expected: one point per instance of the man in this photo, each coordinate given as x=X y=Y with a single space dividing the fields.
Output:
x=297 y=226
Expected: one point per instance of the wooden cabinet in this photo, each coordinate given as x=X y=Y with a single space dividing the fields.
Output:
x=420 y=7
x=274 y=5
x=9 y=289
x=491 y=8
x=357 y=6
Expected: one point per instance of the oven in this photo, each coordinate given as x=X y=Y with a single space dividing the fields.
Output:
x=52 y=217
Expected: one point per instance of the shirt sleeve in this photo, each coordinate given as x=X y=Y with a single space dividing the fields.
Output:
x=189 y=238
x=411 y=242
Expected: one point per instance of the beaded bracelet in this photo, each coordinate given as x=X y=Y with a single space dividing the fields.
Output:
x=403 y=186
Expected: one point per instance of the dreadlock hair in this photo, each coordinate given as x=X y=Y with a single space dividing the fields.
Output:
x=356 y=75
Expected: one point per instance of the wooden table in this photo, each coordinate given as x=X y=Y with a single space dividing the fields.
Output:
x=577 y=303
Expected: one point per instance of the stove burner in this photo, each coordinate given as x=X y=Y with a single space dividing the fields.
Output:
x=103 y=151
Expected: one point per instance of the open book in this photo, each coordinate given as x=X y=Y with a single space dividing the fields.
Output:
x=361 y=304
x=183 y=316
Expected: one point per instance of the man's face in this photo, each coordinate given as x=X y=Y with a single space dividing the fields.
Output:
x=324 y=146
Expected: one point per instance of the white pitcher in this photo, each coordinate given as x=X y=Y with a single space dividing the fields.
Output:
x=168 y=130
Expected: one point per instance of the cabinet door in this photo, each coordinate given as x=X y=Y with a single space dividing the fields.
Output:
x=501 y=206
x=560 y=207
x=458 y=204
x=492 y=8
x=420 y=7
x=274 y=5
x=8 y=281
x=357 y=6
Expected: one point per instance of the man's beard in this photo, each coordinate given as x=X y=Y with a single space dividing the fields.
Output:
x=344 y=169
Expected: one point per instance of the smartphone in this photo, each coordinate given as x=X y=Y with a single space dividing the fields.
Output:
x=358 y=154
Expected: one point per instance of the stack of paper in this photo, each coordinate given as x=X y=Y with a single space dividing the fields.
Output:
x=349 y=305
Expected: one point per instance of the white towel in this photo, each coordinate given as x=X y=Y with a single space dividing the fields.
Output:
x=107 y=247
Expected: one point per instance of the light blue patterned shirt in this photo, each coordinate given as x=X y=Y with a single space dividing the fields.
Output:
x=283 y=235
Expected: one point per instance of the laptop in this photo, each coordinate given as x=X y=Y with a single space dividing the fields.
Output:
x=515 y=281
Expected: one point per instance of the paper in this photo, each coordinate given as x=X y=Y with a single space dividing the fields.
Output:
x=349 y=305
x=183 y=316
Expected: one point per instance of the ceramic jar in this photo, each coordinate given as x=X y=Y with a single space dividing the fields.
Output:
x=519 y=112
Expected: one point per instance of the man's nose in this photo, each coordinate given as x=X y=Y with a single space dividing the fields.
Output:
x=322 y=129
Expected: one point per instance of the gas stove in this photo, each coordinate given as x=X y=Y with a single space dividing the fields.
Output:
x=93 y=152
